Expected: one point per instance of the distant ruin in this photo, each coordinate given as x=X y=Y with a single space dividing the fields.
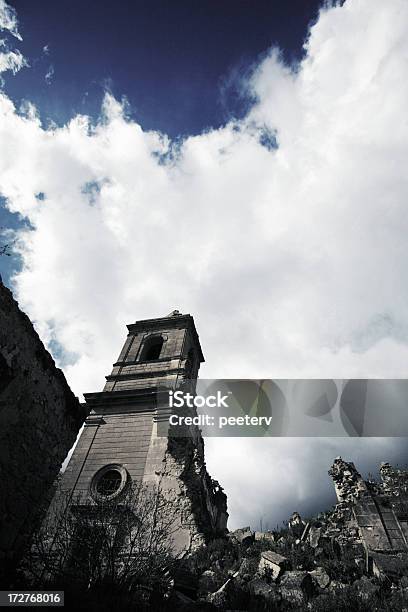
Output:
x=376 y=513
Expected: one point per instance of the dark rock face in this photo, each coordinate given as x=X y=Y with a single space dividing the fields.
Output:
x=39 y=421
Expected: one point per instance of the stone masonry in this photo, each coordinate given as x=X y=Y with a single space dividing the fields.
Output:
x=39 y=421
x=123 y=436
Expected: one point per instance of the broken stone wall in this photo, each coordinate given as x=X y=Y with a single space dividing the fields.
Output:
x=204 y=498
x=347 y=480
x=178 y=464
x=39 y=421
x=379 y=511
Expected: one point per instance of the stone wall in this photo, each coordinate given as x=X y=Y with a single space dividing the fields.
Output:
x=201 y=499
x=39 y=421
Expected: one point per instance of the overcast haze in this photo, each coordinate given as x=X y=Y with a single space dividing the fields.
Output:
x=282 y=229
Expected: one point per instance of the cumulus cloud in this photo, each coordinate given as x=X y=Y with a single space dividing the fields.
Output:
x=283 y=233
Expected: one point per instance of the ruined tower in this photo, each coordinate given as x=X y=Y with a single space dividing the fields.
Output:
x=123 y=439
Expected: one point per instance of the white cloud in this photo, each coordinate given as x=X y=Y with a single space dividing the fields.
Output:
x=49 y=75
x=9 y=59
x=292 y=260
x=8 y=19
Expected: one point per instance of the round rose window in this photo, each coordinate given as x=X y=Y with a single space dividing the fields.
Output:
x=108 y=482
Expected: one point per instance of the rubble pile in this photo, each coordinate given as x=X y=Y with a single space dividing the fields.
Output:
x=343 y=559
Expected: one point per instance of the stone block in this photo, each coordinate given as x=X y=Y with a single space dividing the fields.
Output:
x=272 y=563
x=296 y=586
x=268 y=592
x=244 y=536
x=264 y=536
x=321 y=577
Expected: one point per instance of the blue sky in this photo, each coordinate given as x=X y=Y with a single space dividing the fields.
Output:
x=241 y=161
x=179 y=64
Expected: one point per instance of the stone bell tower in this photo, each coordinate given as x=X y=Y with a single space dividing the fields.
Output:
x=121 y=442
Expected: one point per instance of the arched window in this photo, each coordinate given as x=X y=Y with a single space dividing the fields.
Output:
x=152 y=348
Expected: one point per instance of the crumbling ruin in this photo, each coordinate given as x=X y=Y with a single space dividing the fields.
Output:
x=353 y=556
x=360 y=546
x=39 y=421
x=375 y=514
